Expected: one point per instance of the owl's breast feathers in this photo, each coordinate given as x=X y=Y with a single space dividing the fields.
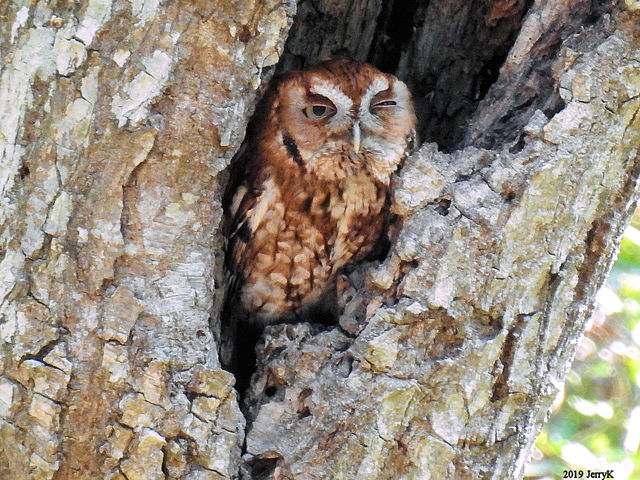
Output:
x=289 y=233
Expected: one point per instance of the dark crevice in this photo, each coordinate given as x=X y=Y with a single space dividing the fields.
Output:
x=244 y=337
x=262 y=468
x=555 y=105
x=42 y=352
x=442 y=205
x=23 y=171
x=453 y=60
x=240 y=338
x=501 y=386
x=164 y=467
x=396 y=25
x=488 y=74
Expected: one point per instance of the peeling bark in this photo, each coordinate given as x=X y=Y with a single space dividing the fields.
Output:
x=118 y=120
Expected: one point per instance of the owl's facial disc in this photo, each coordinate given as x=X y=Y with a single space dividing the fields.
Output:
x=344 y=119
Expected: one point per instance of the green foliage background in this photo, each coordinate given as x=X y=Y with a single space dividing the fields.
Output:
x=595 y=425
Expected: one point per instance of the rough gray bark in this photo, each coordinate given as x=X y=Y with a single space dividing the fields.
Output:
x=118 y=120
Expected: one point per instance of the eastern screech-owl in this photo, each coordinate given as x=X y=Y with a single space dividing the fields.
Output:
x=308 y=194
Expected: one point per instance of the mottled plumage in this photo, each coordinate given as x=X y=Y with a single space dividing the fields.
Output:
x=308 y=193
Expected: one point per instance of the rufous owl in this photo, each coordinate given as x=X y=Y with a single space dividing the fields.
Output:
x=309 y=191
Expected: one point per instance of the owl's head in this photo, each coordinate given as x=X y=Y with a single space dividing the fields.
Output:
x=342 y=117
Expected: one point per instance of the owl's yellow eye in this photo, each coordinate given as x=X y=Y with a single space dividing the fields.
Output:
x=317 y=111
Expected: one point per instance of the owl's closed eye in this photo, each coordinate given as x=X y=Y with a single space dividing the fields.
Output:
x=308 y=194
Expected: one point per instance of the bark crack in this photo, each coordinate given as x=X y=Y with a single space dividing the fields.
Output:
x=500 y=388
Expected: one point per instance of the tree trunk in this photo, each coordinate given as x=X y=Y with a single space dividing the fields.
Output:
x=118 y=121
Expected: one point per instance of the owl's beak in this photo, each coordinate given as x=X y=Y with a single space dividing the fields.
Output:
x=356 y=136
